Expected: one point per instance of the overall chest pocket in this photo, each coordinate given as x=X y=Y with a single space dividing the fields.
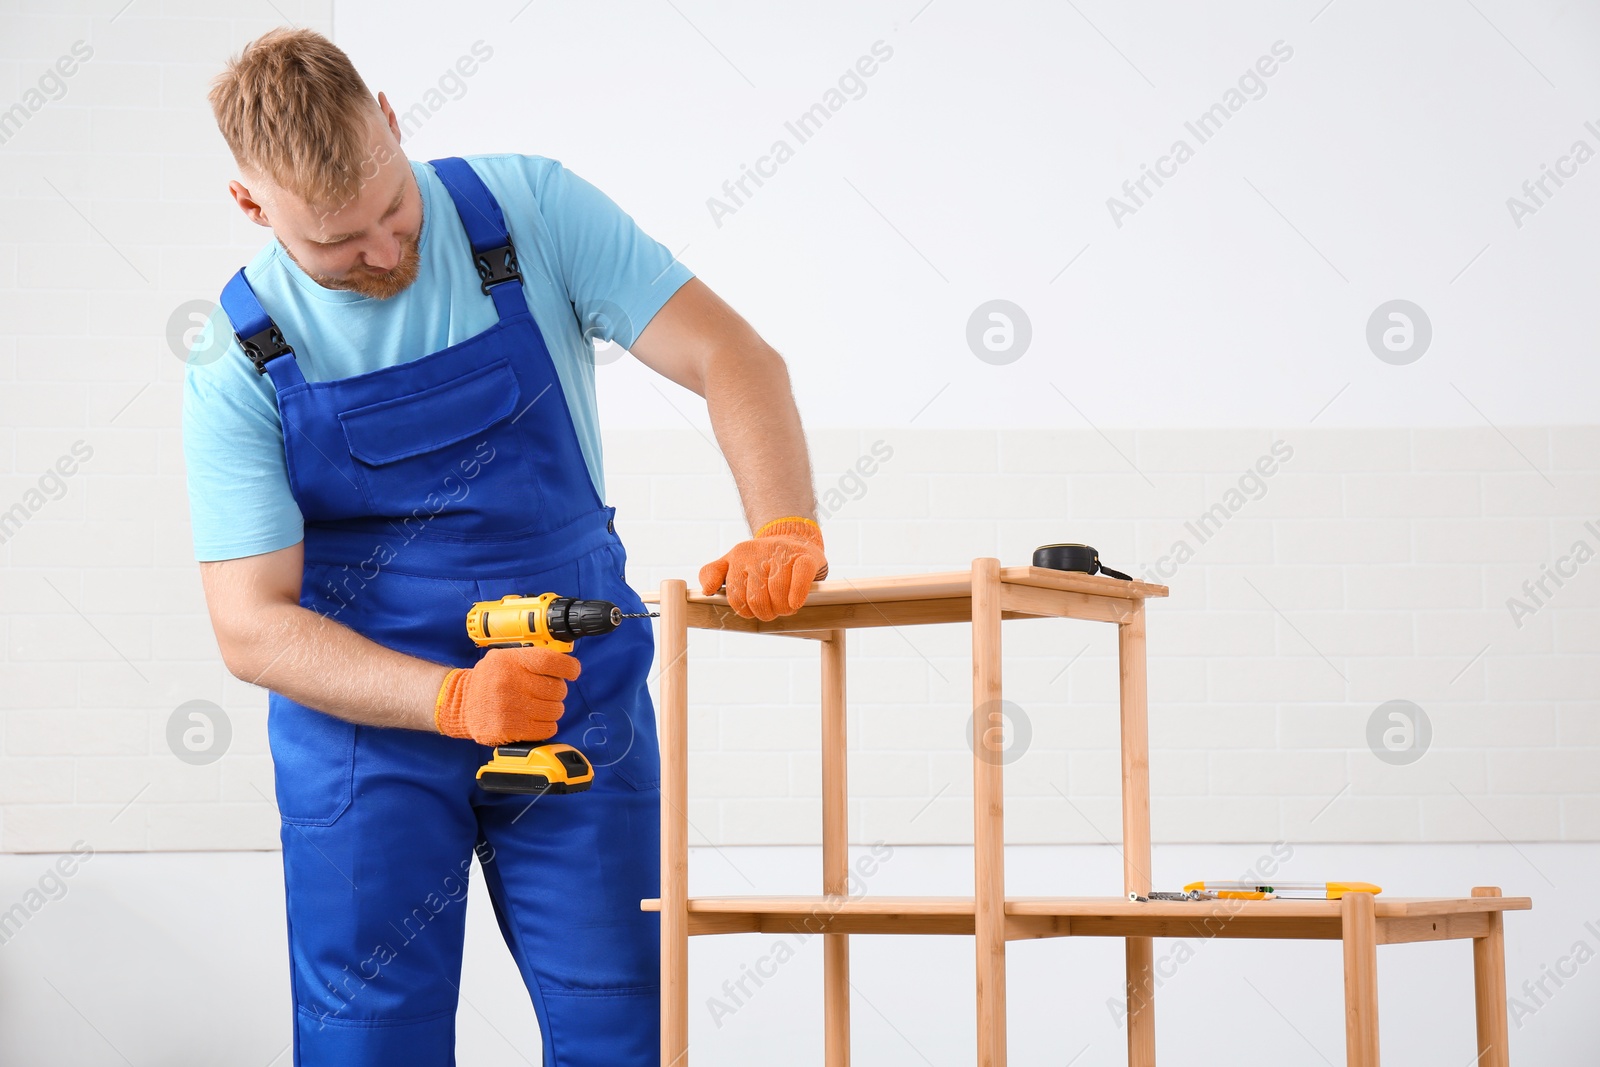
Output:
x=449 y=458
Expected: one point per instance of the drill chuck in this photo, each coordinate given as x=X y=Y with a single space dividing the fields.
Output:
x=571 y=619
x=547 y=620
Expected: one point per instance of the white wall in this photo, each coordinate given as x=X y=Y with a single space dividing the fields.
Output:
x=1375 y=565
x=113 y=215
x=977 y=162
x=1167 y=356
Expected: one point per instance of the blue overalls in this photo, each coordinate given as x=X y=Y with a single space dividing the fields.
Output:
x=426 y=486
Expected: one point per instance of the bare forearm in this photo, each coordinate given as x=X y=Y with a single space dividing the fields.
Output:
x=322 y=664
x=758 y=426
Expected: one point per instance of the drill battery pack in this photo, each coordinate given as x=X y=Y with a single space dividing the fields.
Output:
x=533 y=769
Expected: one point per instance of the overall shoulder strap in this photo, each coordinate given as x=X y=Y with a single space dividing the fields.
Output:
x=492 y=251
x=257 y=334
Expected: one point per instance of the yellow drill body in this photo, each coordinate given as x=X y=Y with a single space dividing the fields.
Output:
x=544 y=621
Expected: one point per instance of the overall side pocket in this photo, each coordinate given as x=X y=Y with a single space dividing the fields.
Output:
x=313 y=762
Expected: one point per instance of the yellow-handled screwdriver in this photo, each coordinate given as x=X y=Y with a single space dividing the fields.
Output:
x=545 y=621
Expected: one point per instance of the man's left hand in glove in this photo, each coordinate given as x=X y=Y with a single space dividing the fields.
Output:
x=770 y=574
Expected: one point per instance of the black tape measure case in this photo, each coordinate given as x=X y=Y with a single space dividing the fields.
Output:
x=1068 y=557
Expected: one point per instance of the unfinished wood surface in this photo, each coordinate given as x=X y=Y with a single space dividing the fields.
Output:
x=988 y=814
x=1143 y=928
x=835 y=850
x=1386 y=907
x=1111 y=907
x=1432 y=928
x=887 y=588
x=1098 y=584
x=799 y=905
x=814 y=617
x=1139 y=957
x=1359 y=918
x=821 y=914
x=673 y=903
x=1138 y=966
x=1489 y=985
x=1018 y=601
x=816 y=622
x=1034 y=927
x=920 y=599
x=1034 y=917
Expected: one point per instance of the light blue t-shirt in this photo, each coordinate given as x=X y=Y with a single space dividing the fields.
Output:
x=587 y=269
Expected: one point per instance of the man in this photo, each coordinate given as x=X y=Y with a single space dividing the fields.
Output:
x=404 y=425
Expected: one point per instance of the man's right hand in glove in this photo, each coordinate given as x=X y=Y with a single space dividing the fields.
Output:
x=513 y=694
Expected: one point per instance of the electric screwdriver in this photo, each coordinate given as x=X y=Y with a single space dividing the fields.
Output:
x=547 y=621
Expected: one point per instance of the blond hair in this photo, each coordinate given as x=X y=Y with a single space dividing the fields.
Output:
x=293 y=108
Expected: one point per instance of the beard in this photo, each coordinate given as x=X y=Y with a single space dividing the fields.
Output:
x=368 y=282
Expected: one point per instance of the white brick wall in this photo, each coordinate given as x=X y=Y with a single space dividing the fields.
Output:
x=1376 y=571
x=1282 y=635
x=101 y=616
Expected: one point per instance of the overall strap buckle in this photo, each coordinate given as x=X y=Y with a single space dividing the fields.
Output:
x=496 y=265
x=487 y=234
x=253 y=328
x=265 y=346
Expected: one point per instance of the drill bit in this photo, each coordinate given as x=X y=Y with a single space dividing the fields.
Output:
x=641 y=614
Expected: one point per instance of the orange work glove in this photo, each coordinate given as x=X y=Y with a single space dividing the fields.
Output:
x=513 y=694
x=770 y=574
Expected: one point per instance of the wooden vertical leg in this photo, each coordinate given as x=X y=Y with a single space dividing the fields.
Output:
x=674 y=651
x=835 y=850
x=988 y=793
x=1139 y=952
x=1489 y=986
x=1360 y=927
x=1138 y=963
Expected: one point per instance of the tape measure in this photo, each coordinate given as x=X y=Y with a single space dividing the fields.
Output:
x=1067 y=557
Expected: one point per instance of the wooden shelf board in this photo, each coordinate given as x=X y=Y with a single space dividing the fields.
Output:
x=805 y=905
x=1400 y=919
x=898 y=587
x=831 y=914
x=920 y=599
x=1385 y=907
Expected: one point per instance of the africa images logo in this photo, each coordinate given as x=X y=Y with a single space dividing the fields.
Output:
x=1251 y=85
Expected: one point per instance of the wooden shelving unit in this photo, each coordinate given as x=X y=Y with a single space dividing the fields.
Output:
x=987 y=595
